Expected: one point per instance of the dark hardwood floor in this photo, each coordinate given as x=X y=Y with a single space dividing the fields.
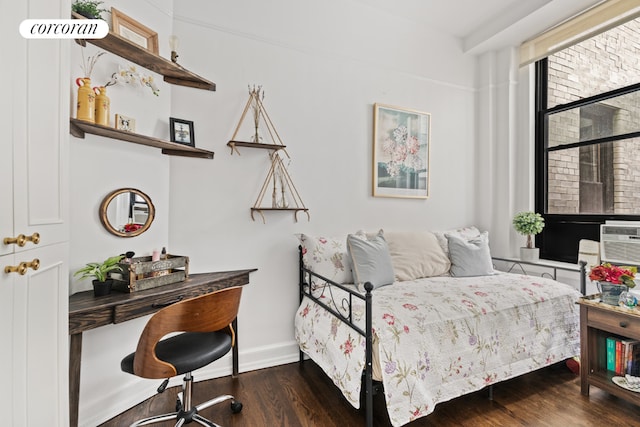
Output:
x=301 y=395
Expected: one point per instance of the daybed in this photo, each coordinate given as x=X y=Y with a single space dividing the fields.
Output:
x=425 y=315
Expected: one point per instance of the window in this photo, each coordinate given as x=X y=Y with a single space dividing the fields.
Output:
x=588 y=139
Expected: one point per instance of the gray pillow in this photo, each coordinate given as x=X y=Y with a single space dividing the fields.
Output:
x=470 y=257
x=371 y=260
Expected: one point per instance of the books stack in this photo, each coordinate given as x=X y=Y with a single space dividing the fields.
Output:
x=623 y=356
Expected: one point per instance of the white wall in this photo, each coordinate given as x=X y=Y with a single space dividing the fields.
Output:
x=322 y=67
x=99 y=166
x=321 y=73
x=505 y=171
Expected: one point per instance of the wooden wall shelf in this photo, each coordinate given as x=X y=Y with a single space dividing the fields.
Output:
x=79 y=128
x=172 y=72
x=233 y=144
x=294 y=210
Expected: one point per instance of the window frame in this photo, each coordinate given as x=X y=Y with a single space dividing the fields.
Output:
x=560 y=238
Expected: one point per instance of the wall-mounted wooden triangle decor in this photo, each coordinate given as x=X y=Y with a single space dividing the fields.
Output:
x=284 y=195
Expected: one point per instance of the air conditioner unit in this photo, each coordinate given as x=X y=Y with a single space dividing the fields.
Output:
x=620 y=243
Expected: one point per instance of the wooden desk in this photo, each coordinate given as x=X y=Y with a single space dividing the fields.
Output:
x=88 y=312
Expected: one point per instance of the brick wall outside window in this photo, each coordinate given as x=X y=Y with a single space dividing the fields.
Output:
x=606 y=62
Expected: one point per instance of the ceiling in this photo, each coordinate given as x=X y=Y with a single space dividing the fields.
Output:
x=483 y=24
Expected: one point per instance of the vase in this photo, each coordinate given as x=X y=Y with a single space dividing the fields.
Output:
x=103 y=106
x=611 y=292
x=102 y=288
x=86 y=100
x=530 y=254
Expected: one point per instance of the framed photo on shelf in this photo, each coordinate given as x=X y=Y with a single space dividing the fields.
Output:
x=125 y=123
x=401 y=140
x=132 y=30
x=181 y=131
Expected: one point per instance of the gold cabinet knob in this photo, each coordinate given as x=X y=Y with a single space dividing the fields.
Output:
x=22 y=268
x=22 y=240
x=35 y=264
x=35 y=238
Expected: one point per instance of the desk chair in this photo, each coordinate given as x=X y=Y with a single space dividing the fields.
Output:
x=205 y=323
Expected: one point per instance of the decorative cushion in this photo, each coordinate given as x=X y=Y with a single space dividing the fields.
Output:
x=466 y=233
x=470 y=257
x=415 y=255
x=327 y=256
x=370 y=259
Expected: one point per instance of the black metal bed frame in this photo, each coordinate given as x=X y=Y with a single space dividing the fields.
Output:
x=346 y=303
x=306 y=289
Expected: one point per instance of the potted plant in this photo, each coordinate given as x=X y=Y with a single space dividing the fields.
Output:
x=88 y=8
x=529 y=224
x=100 y=272
x=613 y=280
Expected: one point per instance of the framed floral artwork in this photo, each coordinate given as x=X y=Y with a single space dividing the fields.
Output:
x=401 y=139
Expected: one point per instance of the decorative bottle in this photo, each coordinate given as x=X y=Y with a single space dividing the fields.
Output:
x=103 y=106
x=86 y=100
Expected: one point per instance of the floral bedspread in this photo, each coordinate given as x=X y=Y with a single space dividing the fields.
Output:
x=443 y=337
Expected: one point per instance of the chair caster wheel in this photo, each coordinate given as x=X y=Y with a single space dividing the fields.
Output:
x=236 y=407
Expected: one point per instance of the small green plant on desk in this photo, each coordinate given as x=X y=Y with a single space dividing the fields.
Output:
x=100 y=272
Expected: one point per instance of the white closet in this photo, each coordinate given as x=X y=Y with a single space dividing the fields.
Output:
x=34 y=117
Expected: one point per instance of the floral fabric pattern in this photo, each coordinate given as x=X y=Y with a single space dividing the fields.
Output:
x=442 y=337
x=327 y=256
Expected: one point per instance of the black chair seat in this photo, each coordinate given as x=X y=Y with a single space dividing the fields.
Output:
x=188 y=351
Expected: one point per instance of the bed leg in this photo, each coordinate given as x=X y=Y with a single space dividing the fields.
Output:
x=301 y=288
x=368 y=355
x=491 y=392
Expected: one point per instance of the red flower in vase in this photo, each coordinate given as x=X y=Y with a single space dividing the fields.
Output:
x=617 y=275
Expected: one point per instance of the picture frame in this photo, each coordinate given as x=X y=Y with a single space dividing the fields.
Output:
x=125 y=123
x=181 y=131
x=401 y=146
x=132 y=30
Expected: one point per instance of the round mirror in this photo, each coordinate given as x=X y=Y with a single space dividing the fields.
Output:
x=127 y=212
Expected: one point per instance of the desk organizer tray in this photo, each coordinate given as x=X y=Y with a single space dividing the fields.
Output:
x=142 y=273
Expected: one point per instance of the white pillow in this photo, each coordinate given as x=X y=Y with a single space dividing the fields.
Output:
x=371 y=260
x=470 y=257
x=466 y=233
x=326 y=256
x=416 y=255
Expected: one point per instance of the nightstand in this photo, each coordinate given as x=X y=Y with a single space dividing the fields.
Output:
x=597 y=322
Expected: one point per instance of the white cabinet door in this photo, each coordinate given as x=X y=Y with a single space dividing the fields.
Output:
x=39 y=346
x=34 y=194
x=7 y=285
x=40 y=123
x=7 y=46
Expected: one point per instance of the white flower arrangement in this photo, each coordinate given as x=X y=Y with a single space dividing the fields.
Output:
x=404 y=150
x=132 y=76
